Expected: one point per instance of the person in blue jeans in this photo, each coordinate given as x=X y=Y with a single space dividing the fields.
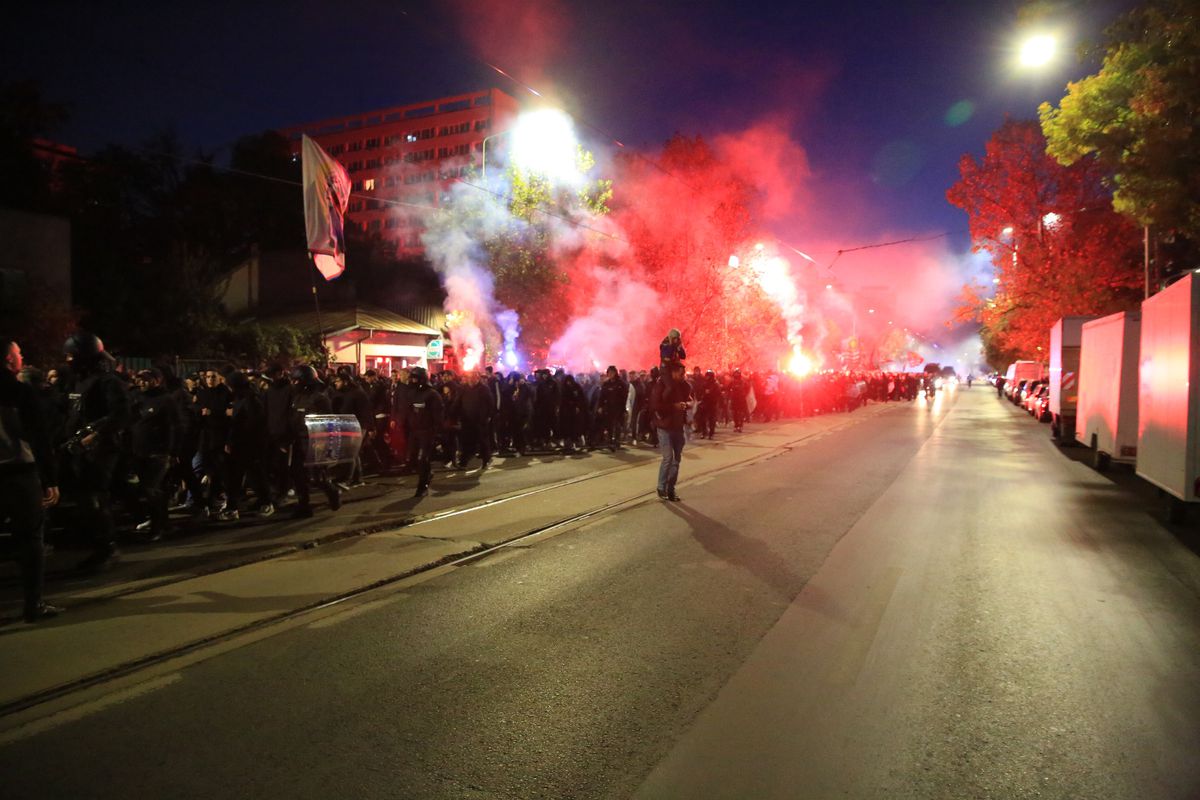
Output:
x=669 y=400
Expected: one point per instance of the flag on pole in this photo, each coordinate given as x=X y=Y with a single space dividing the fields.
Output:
x=326 y=195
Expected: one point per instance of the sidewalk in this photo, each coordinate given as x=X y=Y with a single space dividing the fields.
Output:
x=143 y=623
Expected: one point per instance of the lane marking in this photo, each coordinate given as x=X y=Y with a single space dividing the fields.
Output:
x=84 y=710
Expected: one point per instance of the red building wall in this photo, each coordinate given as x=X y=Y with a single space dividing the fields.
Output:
x=409 y=155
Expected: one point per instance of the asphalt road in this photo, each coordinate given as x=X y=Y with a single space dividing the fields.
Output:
x=932 y=602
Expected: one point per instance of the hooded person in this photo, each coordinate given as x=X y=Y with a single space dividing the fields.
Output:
x=670 y=350
x=421 y=415
x=309 y=397
x=98 y=412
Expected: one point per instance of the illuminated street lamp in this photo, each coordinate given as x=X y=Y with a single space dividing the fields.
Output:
x=543 y=142
x=1037 y=50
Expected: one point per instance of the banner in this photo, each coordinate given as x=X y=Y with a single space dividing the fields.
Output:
x=326 y=195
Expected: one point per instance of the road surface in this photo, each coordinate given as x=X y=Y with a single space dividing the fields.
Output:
x=929 y=600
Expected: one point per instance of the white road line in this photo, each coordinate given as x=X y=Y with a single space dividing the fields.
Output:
x=87 y=709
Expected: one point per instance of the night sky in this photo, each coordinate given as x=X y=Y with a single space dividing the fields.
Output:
x=864 y=88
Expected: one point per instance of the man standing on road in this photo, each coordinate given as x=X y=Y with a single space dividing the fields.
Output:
x=669 y=401
x=421 y=417
x=28 y=478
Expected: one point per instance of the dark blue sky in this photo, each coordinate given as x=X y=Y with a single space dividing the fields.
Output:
x=865 y=87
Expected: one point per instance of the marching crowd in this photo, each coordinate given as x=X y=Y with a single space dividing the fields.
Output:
x=220 y=443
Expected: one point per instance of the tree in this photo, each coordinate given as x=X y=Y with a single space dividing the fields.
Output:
x=1139 y=117
x=1057 y=246
x=684 y=214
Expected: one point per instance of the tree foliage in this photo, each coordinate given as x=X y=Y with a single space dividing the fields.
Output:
x=684 y=214
x=1139 y=116
x=1056 y=245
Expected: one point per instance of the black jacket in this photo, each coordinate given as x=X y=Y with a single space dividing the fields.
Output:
x=663 y=399
x=307 y=400
x=422 y=409
x=155 y=424
x=278 y=403
x=613 y=396
x=24 y=439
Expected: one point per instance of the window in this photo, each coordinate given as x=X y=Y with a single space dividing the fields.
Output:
x=452 y=130
x=356 y=186
x=411 y=137
x=482 y=124
x=354 y=146
x=424 y=111
x=426 y=133
x=374 y=205
x=483 y=100
x=354 y=166
x=394 y=139
x=443 y=152
x=369 y=184
x=389 y=182
x=373 y=142
x=354 y=123
x=372 y=163
x=457 y=105
x=337 y=149
x=355 y=205
x=373 y=225
x=373 y=120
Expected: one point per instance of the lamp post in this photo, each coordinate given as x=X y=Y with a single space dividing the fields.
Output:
x=483 y=153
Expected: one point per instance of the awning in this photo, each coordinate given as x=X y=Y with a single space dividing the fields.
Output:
x=361 y=317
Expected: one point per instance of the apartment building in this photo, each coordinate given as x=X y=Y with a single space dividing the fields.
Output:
x=403 y=160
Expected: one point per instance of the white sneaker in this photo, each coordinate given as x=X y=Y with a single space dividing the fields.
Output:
x=266 y=510
x=230 y=515
x=143 y=526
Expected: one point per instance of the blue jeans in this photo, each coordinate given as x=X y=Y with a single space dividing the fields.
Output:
x=670 y=444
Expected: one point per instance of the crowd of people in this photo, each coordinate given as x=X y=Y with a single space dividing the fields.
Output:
x=225 y=442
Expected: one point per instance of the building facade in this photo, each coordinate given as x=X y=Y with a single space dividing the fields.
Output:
x=403 y=160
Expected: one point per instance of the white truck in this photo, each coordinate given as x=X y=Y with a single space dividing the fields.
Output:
x=1019 y=371
x=1065 y=338
x=1106 y=418
x=1168 y=455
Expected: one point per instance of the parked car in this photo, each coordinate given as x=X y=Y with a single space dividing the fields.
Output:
x=1041 y=405
x=1029 y=397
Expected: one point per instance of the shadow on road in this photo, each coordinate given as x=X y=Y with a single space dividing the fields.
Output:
x=740 y=550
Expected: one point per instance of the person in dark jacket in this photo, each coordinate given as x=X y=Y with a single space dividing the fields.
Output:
x=669 y=400
x=245 y=449
x=277 y=401
x=97 y=414
x=739 y=392
x=572 y=411
x=214 y=402
x=152 y=443
x=522 y=397
x=350 y=398
x=474 y=408
x=709 y=395
x=28 y=478
x=421 y=416
x=308 y=397
x=613 y=396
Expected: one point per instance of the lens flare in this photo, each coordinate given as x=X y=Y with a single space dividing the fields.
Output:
x=799 y=364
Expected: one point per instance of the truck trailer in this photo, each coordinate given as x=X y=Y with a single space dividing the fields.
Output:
x=1065 y=338
x=1106 y=418
x=1169 y=393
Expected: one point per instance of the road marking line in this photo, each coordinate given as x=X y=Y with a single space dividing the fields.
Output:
x=87 y=709
x=350 y=613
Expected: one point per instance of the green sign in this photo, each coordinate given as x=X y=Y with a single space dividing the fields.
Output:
x=433 y=350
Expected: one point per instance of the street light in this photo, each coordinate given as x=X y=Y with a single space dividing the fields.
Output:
x=1037 y=50
x=543 y=142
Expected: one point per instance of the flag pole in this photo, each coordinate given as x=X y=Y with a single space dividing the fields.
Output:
x=317 y=304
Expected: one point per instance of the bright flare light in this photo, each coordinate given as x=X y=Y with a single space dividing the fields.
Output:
x=799 y=364
x=470 y=359
x=1037 y=51
x=544 y=143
